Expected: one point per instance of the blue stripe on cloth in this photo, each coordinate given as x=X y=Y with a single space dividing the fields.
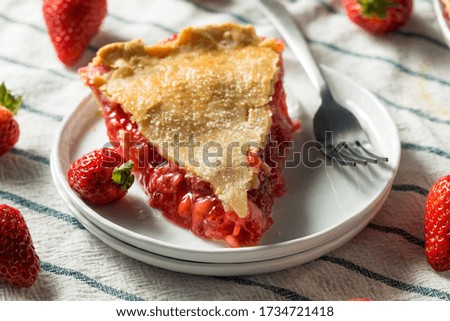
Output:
x=93 y=48
x=11 y=20
x=414 y=111
x=397 y=65
x=325 y=5
x=35 y=27
x=411 y=34
x=399 y=285
x=46 y=266
x=206 y=8
x=41 y=209
x=397 y=231
x=41 y=113
x=157 y=25
x=410 y=188
x=282 y=292
x=28 y=155
x=25 y=65
x=428 y=149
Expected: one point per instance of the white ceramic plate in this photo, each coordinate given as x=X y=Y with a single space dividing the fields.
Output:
x=321 y=203
x=443 y=22
x=215 y=269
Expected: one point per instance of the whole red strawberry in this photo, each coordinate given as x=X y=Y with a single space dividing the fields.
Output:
x=437 y=225
x=19 y=263
x=9 y=129
x=100 y=177
x=378 y=16
x=72 y=24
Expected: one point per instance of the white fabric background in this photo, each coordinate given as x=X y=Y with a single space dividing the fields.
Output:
x=408 y=69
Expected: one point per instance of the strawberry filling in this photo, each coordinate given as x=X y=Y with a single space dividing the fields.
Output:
x=189 y=201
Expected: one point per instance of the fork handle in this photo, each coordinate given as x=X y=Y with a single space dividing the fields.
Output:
x=286 y=26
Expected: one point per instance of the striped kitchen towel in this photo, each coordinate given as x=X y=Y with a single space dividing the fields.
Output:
x=408 y=70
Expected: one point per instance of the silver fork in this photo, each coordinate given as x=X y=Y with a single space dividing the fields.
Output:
x=332 y=122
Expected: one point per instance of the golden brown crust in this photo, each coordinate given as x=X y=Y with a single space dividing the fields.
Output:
x=211 y=84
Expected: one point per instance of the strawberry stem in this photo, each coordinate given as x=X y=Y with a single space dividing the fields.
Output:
x=122 y=175
x=9 y=101
x=376 y=8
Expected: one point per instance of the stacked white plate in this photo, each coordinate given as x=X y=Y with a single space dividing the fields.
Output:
x=324 y=207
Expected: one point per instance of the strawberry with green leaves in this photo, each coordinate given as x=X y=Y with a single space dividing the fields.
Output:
x=378 y=16
x=72 y=24
x=9 y=128
x=19 y=263
x=100 y=177
x=437 y=225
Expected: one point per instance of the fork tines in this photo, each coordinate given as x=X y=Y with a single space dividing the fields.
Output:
x=351 y=154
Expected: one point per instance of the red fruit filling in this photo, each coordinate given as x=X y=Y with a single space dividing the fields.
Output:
x=189 y=201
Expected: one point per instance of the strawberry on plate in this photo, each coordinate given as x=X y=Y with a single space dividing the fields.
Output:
x=19 y=263
x=72 y=24
x=437 y=225
x=100 y=177
x=9 y=129
x=378 y=16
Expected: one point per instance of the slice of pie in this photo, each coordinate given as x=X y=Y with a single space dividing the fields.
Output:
x=203 y=116
x=446 y=9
